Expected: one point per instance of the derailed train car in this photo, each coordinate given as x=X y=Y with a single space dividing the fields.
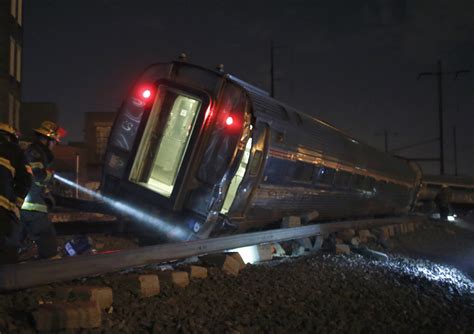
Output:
x=205 y=150
x=461 y=189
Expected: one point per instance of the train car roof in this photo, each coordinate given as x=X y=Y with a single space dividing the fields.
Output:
x=273 y=110
x=255 y=92
x=449 y=180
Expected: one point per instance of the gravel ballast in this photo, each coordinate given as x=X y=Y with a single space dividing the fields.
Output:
x=322 y=292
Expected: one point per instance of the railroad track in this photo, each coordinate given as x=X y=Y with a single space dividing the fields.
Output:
x=24 y=275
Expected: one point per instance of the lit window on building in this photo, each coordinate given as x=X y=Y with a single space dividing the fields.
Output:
x=18 y=63
x=102 y=135
x=20 y=12
x=13 y=8
x=12 y=56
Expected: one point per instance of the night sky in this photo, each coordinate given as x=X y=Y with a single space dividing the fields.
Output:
x=351 y=63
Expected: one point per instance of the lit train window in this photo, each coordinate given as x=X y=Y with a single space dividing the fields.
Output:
x=170 y=152
x=164 y=143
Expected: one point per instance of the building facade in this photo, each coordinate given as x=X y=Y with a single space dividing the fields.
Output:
x=11 y=46
x=97 y=126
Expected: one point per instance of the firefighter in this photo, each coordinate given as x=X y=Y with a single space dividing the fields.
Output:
x=443 y=202
x=34 y=212
x=15 y=182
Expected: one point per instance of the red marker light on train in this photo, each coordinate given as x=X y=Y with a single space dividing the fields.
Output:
x=229 y=121
x=146 y=93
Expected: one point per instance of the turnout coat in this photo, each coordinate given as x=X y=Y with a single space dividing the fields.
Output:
x=39 y=157
x=15 y=178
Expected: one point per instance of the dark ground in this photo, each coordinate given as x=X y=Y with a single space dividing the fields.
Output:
x=319 y=293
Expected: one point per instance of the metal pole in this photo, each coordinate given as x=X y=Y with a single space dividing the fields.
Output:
x=77 y=174
x=455 y=151
x=272 y=74
x=386 y=140
x=440 y=110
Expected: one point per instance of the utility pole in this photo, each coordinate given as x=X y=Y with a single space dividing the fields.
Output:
x=440 y=116
x=440 y=74
x=455 y=151
x=272 y=70
x=455 y=138
x=386 y=133
x=273 y=79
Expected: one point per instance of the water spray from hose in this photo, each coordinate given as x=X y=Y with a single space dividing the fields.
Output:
x=142 y=217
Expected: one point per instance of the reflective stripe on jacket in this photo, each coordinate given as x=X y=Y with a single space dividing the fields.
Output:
x=7 y=164
x=39 y=158
x=9 y=206
x=28 y=206
x=15 y=177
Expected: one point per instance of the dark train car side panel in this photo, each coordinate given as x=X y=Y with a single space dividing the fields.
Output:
x=462 y=188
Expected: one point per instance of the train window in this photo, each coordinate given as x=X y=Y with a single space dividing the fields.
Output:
x=359 y=181
x=326 y=175
x=280 y=137
x=297 y=118
x=170 y=152
x=351 y=181
x=369 y=185
x=166 y=155
x=342 y=179
x=316 y=171
x=303 y=172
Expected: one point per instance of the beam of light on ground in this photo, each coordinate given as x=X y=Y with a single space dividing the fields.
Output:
x=170 y=230
x=248 y=254
x=430 y=271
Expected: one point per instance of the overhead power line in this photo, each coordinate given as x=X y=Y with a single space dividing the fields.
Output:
x=424 y=142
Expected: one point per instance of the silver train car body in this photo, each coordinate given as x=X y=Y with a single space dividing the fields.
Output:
x=204 y=149
x=462 y=188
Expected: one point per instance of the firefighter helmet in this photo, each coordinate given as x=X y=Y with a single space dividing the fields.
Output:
x=9 y=130
x=51 y=130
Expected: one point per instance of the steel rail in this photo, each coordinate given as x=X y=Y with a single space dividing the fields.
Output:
x=29 y=274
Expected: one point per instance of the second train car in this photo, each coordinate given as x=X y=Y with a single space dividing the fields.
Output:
x=204 y=150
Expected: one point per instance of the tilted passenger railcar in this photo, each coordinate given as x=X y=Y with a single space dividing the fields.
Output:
x=203 y=149
x=461 y=188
